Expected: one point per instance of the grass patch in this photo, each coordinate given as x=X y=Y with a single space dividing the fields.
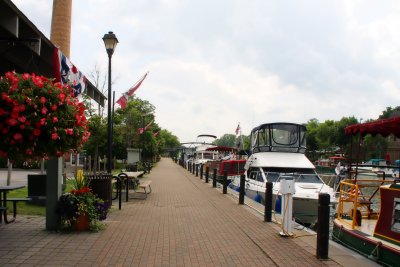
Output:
x=24 y=207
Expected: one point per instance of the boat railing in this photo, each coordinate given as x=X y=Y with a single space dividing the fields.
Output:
x=358 y=199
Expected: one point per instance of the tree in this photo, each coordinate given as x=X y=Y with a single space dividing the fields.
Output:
x=228 y=140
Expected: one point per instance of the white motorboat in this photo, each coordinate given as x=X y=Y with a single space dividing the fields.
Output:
x=277 y=151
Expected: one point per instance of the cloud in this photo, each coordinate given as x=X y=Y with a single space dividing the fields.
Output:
x=216 y=63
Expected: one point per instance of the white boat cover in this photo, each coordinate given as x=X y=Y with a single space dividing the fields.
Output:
x=280 y=160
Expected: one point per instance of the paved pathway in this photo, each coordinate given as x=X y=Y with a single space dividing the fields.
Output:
x=183 y=222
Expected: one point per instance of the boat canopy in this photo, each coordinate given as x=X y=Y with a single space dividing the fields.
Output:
x=279 y=137
x=383 y=127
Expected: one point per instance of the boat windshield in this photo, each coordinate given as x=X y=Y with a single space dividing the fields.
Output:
x=279 y=137
x=300 y=175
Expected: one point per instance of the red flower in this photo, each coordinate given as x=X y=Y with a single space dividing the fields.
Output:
x=36 y=132
x=42 y=100
x=54 y=136
x=55 y=119
x=25 y=76
x=54 y=107
x=42 y=121
x=2 y=112
x=28 y=151
x=22 y=119
x=44 y=110
x=17 y=137
x=12 y=122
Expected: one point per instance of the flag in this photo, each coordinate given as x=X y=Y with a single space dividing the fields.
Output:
x=237 y=131
x=122 y=101
x=148 y=125
x=124 y=98
x=137 y=85
x=142 y=130
x=65 y=72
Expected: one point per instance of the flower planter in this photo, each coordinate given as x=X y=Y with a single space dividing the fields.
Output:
x=82 y=224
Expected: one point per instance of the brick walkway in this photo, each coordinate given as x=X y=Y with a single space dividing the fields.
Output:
x=183 y=222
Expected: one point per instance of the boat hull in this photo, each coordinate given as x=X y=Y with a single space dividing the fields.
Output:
x=360 y=242
x=305 y=210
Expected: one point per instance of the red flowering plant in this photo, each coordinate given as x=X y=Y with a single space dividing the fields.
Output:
x=39 y=118
x=81 y=203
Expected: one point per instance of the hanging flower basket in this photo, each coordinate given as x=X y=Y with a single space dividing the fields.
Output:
x=39 y=118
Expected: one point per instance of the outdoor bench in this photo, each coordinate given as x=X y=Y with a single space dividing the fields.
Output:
x=144 y=185
x=15 y=201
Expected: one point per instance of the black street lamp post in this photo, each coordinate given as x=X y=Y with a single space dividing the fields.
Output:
x=110 y=42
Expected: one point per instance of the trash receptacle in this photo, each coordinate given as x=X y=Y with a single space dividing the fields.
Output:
x=101 y=186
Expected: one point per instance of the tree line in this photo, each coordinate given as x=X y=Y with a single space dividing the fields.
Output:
x=328 y=138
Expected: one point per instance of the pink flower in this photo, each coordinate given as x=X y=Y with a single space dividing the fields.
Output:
x=44 y=110
x=22 y=119
x=28 y=151
x=22 y=126
x=55 y=119
x=42 y=121
x=69 y=131
x=54 y=136
x=54 y=107
x=25 y=76
x=42 y=100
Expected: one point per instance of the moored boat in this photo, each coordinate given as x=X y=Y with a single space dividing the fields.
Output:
x=368 y=215
x=277 y=152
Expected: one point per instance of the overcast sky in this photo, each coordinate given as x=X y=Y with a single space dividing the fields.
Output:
x=214 y=63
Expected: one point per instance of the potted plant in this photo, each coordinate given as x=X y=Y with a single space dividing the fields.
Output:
x=81 y=209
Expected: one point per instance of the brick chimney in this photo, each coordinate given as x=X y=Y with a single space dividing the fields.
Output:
x=61 y=25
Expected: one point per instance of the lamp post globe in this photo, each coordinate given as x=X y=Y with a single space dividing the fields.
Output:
x=110 y=42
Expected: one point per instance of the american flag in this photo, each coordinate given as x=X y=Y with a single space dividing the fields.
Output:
x=237 y=131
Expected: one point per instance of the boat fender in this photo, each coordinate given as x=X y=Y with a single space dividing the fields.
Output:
x=278 y=205
x=257 y=198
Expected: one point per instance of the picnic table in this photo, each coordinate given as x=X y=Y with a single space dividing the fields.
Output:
x=133 y=178
x=3 y=202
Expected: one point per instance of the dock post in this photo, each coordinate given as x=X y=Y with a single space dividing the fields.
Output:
x=225 y=183
x=242 y=188
x=201 y=171
x=207 y=174
x=268 y=202
x=215 y=178
x=197 y=170
x=189 y=167
x=323 y=226
x=193 y=168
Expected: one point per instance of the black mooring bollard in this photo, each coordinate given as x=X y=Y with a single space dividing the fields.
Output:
x=323 y=226
x=197 y=170
x=193 y=168
x=207 y=174
x=268 y=202
x=188 y=167
x=225 y=183
x=215 y=178
x=201 y=171
x=242 y=187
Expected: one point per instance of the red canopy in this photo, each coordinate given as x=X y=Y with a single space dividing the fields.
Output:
x=383 y=127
